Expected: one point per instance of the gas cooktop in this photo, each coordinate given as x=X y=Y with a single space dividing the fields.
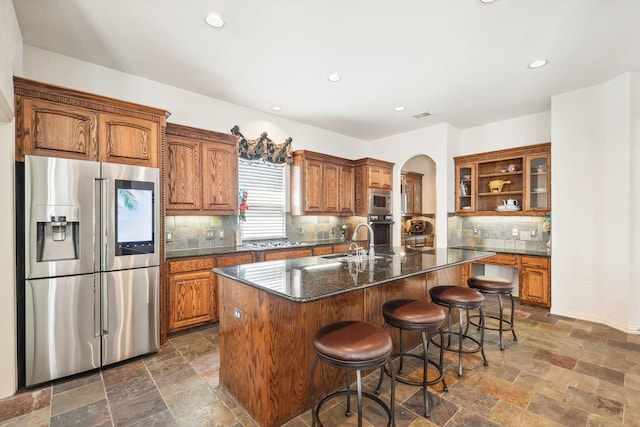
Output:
x=276 y=244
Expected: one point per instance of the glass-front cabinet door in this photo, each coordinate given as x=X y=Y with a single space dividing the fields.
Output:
x=466 y=188
x=538 y=188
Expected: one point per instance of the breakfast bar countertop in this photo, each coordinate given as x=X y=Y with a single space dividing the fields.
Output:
x=313 y=278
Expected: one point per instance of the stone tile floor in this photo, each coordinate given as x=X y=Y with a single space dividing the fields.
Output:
x=560 y=372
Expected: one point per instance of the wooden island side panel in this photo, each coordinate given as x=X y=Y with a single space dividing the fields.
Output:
x=267 y=354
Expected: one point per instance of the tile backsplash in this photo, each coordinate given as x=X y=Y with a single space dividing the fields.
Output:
x=194 y=232
x=498 y=232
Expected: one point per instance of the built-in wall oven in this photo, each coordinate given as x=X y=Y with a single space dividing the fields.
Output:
x=382 y=226
x=88 y=294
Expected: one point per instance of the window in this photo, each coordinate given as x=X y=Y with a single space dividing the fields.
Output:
x=265 y=185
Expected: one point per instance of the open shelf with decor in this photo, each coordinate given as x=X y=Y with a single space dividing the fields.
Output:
x=506 y=182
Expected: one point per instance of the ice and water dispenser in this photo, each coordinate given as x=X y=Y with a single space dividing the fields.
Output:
x=58 y=233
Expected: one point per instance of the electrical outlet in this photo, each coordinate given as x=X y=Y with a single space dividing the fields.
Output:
x=237 y=313
x=210 y=235
x=475 y=231
x=169 y=236
x=300 y=230
x=221 y=233
x=534 y=233
x=514 y=231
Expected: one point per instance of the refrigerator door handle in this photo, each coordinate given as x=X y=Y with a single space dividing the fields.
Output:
x=104 y=224
x=97 y=307
x=105 y=303
x=97 y=241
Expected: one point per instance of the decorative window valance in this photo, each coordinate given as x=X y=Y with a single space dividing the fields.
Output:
x=263 y=148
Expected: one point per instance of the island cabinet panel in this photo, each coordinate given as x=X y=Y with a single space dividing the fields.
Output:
x=266 y=341
x=268 y=344
x=322 y=250
x=201 y=172
x=128 y=140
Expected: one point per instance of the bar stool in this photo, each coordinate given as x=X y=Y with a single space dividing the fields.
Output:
x=354 y=346
x=416 y=316
x=492 y=285
x=462 y=299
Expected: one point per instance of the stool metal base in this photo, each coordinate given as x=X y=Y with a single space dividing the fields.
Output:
x=439 y=367
x=510 y=323
x=479 y=344
x=389 y=409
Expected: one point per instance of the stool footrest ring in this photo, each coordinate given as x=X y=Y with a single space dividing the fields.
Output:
x=403 y=380
x=366 y=394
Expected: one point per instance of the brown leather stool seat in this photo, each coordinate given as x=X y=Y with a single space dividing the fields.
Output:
x=494 y=285
x=462 y=299
x=417 y=316
x=355 y=346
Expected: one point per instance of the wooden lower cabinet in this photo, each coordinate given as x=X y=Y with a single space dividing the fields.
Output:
x=280 y=254
x=534 y=276
x=535 y=280
x=192 y=293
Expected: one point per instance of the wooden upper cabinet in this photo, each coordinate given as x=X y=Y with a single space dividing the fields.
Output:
x=59 y=122
x=183 y=175
x=201 y=171
x=485 y=180
x=50 y=129
x=370 y=173
x=412 y=192
x=321 y=184
x=128 y=140
x=347 y=191
x=220 y=177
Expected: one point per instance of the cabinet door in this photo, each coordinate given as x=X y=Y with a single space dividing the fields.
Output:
x=219 y=179
x=417 y=195
x=535 y=283
x=128 y=140
x=386 y=178
x=183 y=183
x=56 y=130
x=347 y=191
x=331 y=187
x=466 y=187
x=408 y=195
x=192 y=299
x=538 y=188
x=313 y=193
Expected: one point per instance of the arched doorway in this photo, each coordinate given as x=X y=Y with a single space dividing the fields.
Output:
x=418 y=202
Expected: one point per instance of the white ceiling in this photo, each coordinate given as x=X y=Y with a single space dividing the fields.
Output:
x=460 y=60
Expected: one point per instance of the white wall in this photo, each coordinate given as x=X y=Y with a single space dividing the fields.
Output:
x=433 y=142
x=595 y=203
x=10 y=62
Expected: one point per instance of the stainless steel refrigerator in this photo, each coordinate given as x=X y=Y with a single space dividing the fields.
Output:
x=91 y=266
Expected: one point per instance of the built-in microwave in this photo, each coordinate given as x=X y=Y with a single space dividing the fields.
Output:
x=379 y=202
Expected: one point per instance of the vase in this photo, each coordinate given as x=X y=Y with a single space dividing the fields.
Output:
x=238 y=235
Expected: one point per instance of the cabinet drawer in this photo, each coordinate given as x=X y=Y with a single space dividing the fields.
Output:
x=322 y=250
x=228 y=260
x=500 y=259
x=341 y=248
x=535 y=261
x=203 y=263
x=286 y=254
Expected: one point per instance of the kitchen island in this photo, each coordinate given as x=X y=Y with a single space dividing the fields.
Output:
x=269 y=313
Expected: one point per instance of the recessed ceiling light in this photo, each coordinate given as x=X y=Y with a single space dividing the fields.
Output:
x=399 y=108
x=487 y=1
x=276 y=108
x=214 y=20
x=538 y=63
x=334 y=77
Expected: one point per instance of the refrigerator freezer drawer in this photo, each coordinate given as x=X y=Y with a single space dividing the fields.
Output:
x=131 y=304
x=61 y=327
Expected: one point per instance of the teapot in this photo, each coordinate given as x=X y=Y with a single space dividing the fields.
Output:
x=510 y=203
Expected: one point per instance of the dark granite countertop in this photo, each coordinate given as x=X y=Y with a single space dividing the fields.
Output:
x=506 y=251
x=313 y=278
x=186 y=253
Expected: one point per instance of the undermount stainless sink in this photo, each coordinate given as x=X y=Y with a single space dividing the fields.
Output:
x=345 y=257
